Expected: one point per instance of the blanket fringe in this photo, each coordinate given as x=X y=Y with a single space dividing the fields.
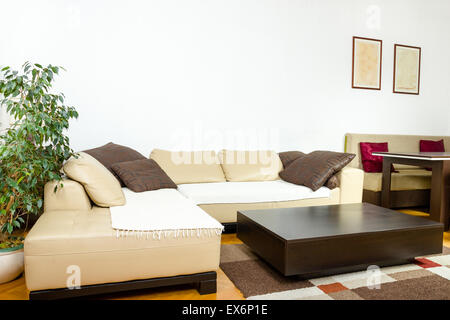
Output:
x=158 y=234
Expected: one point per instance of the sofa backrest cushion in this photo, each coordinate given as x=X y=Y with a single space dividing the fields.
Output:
x=397 y=143
x=101 y=186
x=143 y=175
x=112 y=153
x=261 y=165
x=189 y=166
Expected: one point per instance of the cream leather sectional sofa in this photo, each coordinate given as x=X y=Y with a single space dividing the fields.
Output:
x=74 y=237
x=411 y=185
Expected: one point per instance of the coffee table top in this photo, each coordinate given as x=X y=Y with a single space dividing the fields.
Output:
x=431 y=156
x=333 y=221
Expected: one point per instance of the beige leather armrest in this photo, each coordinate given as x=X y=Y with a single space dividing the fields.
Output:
x=71 y=196
x=351 y=184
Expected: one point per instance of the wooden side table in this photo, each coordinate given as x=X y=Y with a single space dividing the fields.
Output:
x=439 y=162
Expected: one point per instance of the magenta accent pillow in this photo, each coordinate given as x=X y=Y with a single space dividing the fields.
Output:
x=432 y=146
x=370 y=162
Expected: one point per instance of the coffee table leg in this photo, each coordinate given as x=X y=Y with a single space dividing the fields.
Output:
x=446 y=194
x=440 y=193
x=386 y=183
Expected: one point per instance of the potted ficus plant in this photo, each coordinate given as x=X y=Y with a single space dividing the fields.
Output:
x=32 y=151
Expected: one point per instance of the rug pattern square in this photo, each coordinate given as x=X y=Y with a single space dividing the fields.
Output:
x=425 y=278
x=332 y=287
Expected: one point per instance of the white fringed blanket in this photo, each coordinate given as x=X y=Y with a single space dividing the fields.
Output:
x=161 y=213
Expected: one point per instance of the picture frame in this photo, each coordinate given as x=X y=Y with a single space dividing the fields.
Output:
x=366 y=63
x=407 y=60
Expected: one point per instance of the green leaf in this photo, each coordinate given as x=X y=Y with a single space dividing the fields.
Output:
x=34 y=148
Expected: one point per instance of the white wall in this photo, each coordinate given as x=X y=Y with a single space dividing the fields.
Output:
x=140 y=70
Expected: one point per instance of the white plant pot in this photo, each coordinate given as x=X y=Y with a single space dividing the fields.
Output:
x=11 y=263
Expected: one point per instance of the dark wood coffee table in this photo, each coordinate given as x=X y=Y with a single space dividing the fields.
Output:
x=323 y=240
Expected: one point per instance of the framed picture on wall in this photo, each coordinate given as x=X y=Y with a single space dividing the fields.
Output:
x=406 y=69
x=366 y=63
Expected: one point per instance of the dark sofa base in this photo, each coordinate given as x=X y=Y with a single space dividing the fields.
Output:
x=204 y=282
x=229 y=227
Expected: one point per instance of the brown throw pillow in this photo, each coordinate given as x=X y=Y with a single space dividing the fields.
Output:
x=314 y=169
x=287 y=157
x=332 y=182
x=112 y=153
x=143 y=175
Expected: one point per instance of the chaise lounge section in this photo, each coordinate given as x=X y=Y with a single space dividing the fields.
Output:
x=71 y=232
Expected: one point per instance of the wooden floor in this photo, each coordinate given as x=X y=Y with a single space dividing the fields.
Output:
x=16 y=290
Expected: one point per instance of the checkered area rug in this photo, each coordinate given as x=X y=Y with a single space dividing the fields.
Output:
x=426 y=278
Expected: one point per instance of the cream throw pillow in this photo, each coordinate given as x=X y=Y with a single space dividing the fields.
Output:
x=250 y=165
x=189 y=166
x=101 y=186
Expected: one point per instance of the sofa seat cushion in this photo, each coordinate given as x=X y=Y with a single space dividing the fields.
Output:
x=189 y=166
x=405 y=179
x=85 y=239
x=227 y=212
x=249 y=192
